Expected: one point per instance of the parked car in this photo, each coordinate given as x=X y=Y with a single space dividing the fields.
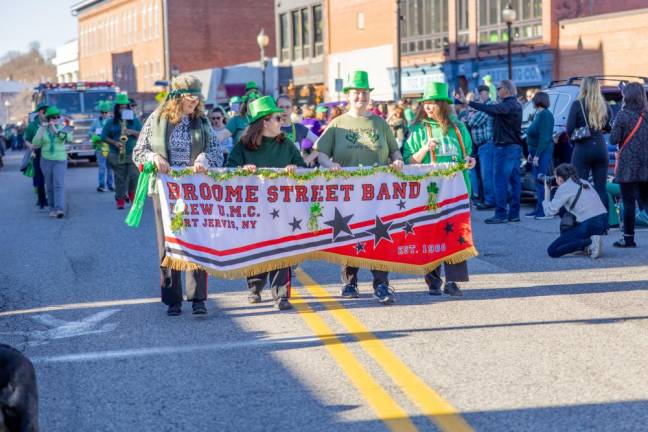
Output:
x=561 y=95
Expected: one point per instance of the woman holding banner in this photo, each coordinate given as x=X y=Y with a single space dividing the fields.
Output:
x=263 y=145
x=359 y=138
x=438 y=136
x=178 y=135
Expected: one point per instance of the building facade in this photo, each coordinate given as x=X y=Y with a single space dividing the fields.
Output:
x=138 y=42
x=67 y=62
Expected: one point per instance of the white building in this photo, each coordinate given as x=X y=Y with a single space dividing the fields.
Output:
x=67 y=62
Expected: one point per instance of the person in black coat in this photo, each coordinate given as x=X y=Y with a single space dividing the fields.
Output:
x=630 y=133
x=591 y=154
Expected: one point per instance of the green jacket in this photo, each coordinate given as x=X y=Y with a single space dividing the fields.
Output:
x=32 y=128
x=52 y=145
x=540 y=133
x=419 y=137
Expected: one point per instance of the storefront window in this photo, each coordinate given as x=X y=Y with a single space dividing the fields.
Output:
x=301 y=33
x=425 y=26
x=317 y=28
x=306 y=42
x=463 y=33
x=492 y=29
x=297 y=35
x=284 y=35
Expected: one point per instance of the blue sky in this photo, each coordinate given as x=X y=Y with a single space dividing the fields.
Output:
x=46 y=21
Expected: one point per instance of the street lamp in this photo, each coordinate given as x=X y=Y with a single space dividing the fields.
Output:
x=399 y=69
x=7 y=104
x=509 y=15
x=263 y=40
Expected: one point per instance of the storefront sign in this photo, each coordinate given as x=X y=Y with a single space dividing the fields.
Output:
x=416 y=83
x=526 y=75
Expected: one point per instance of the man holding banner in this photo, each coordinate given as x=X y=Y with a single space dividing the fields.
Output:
x=359 y=138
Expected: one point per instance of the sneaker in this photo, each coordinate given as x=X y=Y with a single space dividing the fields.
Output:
x=199 y=307
x=595 y=247
x=531 y=215
x=174 y=309
x=514 y=219
x=434 y=290
x=385 y=294
x=452 y=289
x=101 y=189
x=543 y=217
x=59 y=214
x=53 y=214
x=349 y=291
x=254 y=298
x=496 y=220
x=624 y=243
x=282 y=304
x=484 y=206
x=111 y=188
x=120 y=204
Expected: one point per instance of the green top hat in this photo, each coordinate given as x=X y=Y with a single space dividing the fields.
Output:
x=235 y=99
x=52 y=112
x=262 y=107
x=251 y=85
x=358 y=80
x=104 y=106
x=121 y=99
x=436 y=91
x=41 y=106
x=487 y=78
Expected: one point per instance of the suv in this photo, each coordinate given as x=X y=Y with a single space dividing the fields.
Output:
x=562 y=94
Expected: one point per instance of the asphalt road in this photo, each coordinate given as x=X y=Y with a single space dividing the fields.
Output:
x=536 y=344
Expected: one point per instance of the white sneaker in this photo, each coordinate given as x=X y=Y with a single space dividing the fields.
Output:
x=596 y=246
x=53 y=214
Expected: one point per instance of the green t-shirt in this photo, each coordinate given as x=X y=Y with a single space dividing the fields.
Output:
x=52 y=145
x=271 y=154
x=236 y=125
x=352 y=141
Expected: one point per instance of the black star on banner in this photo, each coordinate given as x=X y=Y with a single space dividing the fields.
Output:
x=360 y=247
x=448 y=228
x=339 y=224
x=295 y=224
x=401 y=205
x=462 y=240
x=274 y=214
x=408 y=229
x=380 y=231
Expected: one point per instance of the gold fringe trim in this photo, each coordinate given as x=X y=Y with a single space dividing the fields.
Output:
x=182 y=265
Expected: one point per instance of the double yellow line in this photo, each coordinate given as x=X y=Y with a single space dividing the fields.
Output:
x=444 y=415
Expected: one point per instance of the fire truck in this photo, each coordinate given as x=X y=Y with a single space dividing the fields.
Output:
x=77 y=102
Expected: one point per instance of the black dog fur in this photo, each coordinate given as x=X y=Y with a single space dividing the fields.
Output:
x=18 y=392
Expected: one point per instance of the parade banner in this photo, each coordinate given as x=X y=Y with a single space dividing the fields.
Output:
x=232 y=224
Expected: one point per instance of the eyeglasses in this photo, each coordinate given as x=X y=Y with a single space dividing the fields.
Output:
x=105 y=112
x=217 y=118
x=54 y=117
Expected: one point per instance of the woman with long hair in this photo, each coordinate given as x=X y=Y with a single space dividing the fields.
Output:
x=263 y=145
x=630 y=133
x=438 y=136
x=577 y=196
x=590 y=154
x=121 y=134
x=179 y=135
x=540 y=142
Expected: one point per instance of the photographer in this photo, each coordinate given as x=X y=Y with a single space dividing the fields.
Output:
x=585 y=217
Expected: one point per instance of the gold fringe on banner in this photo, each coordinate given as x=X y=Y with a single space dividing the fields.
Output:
x=457 y=257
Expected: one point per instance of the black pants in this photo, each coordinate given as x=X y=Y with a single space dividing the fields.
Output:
x=350 y=276
x=592 y=156
x=171 y=280
x=630 y=194
x=280 y=283
x=39 y=179
x=453 y=273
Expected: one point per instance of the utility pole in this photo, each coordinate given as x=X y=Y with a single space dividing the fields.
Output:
x=398 y=50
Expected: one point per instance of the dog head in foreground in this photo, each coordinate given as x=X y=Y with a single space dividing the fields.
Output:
x=18 y=392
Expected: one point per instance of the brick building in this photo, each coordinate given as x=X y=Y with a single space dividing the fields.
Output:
x=137 y=42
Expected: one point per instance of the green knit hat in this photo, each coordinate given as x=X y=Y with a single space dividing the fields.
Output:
x=52 y=112
x=251 y=85
x=122 y=99
x=358 y=80
x=436 y=91
x=262 y=107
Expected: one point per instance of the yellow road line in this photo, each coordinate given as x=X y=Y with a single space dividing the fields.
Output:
x=386 y=408
x=444 y=415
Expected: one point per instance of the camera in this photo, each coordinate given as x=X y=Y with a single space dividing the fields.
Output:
x=550 y=180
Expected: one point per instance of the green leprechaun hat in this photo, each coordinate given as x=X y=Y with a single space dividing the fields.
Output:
x=52 y=112
x=358 y=80
x=122 y=99
x=251 y=85
x=262 y=107
x=235 y=99
x=41 y=106
x=436 y=91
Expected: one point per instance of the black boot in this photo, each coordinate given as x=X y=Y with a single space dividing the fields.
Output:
x=626 y=242
x=452 y=289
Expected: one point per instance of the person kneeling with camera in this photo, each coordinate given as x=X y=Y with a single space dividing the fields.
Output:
x=583 y=215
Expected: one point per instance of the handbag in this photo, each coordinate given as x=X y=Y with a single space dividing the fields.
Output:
x=568 y=220
x=582 y=132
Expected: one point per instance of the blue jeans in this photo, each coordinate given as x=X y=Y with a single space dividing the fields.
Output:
x=104 y=170
x=578 y=237
x=486 y=152
x=506 y=171
x=54 y=173
x=544 y=163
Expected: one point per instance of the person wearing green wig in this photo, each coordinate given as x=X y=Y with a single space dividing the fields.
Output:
x=51 y=138
x=438 y=136
x=106 y=174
